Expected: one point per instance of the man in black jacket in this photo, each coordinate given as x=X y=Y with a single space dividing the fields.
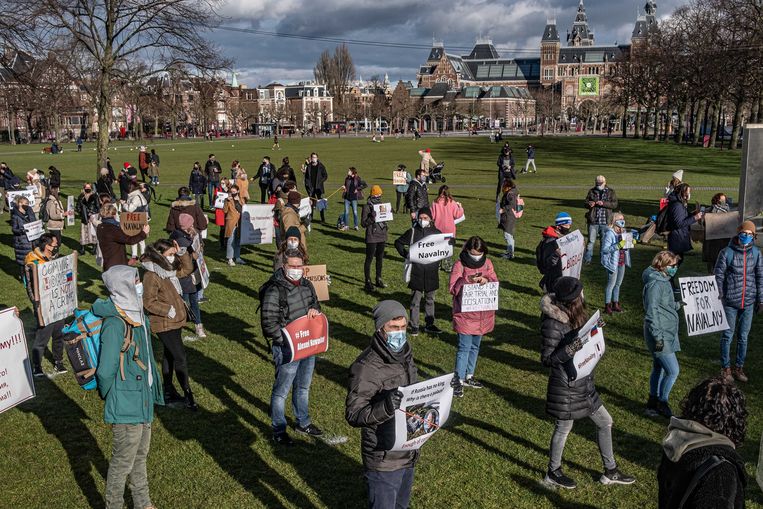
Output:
x=372 y=401
x=212 y=170
x=288 y=296
x=601 y=202
x=417 y=198
x=505 y=168
x=315 y=176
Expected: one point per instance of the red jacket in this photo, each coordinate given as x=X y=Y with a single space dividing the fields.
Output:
x=476 y=322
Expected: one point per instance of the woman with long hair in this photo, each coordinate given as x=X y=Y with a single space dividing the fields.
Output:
x=509 y=212
x=680 y=220
x=353 y=191
x=445 y=211
x=615 y=257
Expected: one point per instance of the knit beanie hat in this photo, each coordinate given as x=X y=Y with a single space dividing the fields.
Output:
x=563 y=218
x=387 y=310
x=567 y=288
x=376 y=190
x=294 y=197
x=185 y=221
x=679 y=174
x=747 y=225
x=293 y=231
x=424 y=210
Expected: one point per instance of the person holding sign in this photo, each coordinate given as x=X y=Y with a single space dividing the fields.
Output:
x=373 y=399
x=234 y=205
x=445 y=212
x=21 y=215
x=376 y=239
x=680 y=220
x=661 y=324
x=285 y=297
x=472 y=268
x=563 y=314
x=548 y=256
x=112 y=240
x=136 y=202
x=315 y=176
x=56 y=214
x=353 y=192
x=402 y=189
x=614 y=257
x=739 y=274
x=509 y=211
x=417 y=198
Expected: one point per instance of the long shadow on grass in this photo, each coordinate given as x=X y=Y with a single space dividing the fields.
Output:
x=536 y=486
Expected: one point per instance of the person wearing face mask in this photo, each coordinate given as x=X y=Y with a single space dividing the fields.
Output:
x=353 y=191
x=289 y=217
x=739 y=274
x=445 y=211
x=46 y=250
x=402 y=189
x=417 y=198
x=112 y=240
x=129 y=383
x=425 y=279
x=372 y=400
x=600 y=202
x=163 y=302
x=56 y=214
x=87 y=205
x=472 y=267
x=292 y=241
x=213 y=171
x=186 y=204
x=315 y=176
x=711 y=248
x=548 y=257
x=376 y=239
x=233 y=208
x=285 y=297
x=22 y=214
x=505 y=168
x=615 y=258
x=265 y=175
x=197 y=184
x=563 y=314
x=680 y=220
x=190 y=248
x=661 y=322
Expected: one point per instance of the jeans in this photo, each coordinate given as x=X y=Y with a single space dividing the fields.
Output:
x=594 y=230
x=354 y=204
x=466 y=356
x=199 y=199
x=416 y=307
x=41 y=337
x=296 y=376
x=174 y=360
x=389 y=490
x=129 y=451
x=614 y=281
x=374 y=250
x=664 y=374
x=233 y=249
x=603 y=422
x=211 y=186
x=509 y=238
x=744 y=317
x=192 y=299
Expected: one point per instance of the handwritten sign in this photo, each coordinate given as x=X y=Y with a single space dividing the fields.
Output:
x=383 y=212
x=203 y=271
x=476 y=297
x=431 y=249
x=56 y=289
x=424 y=409
x=399 y=178
x=16 y=384
x=305 y=337
x=29 y=193
x=132 y=223
x=316 y=274
x=572 y=247
x=34 y=230
x=70 y=211
x=257 y=224
x=703 y=311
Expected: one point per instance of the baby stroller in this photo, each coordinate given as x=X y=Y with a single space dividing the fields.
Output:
x=436 y=174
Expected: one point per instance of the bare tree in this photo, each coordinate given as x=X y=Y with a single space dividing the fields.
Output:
x=336 y=71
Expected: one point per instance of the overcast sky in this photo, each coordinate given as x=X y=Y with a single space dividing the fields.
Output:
x=517 y=24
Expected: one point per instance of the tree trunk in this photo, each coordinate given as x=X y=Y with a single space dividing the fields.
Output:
x=156 y=126
x=739 y=108
x=683 y=112
x=636 y=123
x=11 y=137
x=715 y=123
x=760 y=109
x=656 y=130
x=697 y=123
x=668 y=123
x=103 y=109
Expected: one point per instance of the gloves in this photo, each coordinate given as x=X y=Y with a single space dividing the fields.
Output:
x=393 y=400
x=659 y=345
x=621 y=244
x=452 y=241
x=573 y=347
x=171 y=313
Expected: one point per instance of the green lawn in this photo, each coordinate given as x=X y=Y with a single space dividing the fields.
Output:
x=493 y=451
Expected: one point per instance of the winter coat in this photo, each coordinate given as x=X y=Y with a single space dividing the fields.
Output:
x=607 y=196
x=321 y=175
x=232 y=210
x=685 y=448
x=376 y=372
x=33 y=258
x=357 y=184
x=87 y=206
x=403 y=188
x=112 y=241
x=505 y=165
x=132 y=400
x=509 y=205
x=444 y=215
x=679 y=225
x=56 y=213
x=427 y=161
x=104 y=186
x=661 y=320
x=290 y=217
x=21 y=244
x=186 y=205
x=424 y=278
x=158 y=295
x=476 y=322
x=197 y=182
x=286 y=172
x=265 y=174
x=416 y=197
x=124 y=186
x=136 y=202
x=300 y=298
x=143 y=160
x=565 y=399
x=212 y=170
x=549 y=259
x=610 y=251
x=375 y=232
x=741 y=283
x=188 y=264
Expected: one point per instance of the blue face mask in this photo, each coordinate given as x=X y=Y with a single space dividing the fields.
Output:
x=745 y=238
x=671 y=271
x=620 y=223
x=396 y=340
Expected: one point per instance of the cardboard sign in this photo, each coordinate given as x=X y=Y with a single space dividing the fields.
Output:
x=424 y=409
x=132 y=223
x=220 y=200
x=704 y=311
x=34 y=230
x=476 y=297
x=203 y=271
x=70 y=211
x=29 y=193
x=305 y=337
x=585 y=360
x=383 y=212
x=316 y=274
x=305 y=209
x=572 y=247
x=56 y=289
x=431 y=249
x=16 y=385
x=399 y=178
x=257 y=224
x=721 y=225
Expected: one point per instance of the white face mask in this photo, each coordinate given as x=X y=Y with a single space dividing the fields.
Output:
x=424 y=223
x=171 y=259
x=600 y=187
x=688 y=197
x=294 y=274
x=476 y=258
x=292 y=244
x=139 y=289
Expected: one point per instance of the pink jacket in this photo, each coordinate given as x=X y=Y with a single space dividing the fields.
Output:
x=444 y=215
x=476 y=322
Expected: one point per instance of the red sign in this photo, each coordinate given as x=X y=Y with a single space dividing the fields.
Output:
x=305 y=336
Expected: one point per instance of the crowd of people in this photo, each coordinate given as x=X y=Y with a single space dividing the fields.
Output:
x=165 y=296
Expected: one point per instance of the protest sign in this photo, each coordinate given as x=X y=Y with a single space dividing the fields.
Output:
x=431 y=249
x=585 y=360
x=16 y=384
x=460 y=219
x=257 y=224
x=132 y=223
x=316 y=274
x=55 y=288
x=424 y=409
x=476 y=297
x=721 y=226
x=34 y=230
x=629 y=242
x=70 y=211
x=305 y=209
x=383 y=212
x=220 y=200
x=29 y=193
x=704 y=309
x=305 y=337
x=572 y=247
x=399 y=178
x=203 y=271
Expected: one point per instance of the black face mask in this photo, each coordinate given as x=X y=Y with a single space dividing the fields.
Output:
x=54 y=251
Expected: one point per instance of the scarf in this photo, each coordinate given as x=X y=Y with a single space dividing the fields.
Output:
x=164 y=274
x=468 y=262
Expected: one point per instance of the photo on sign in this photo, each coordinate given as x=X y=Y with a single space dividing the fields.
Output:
x=422 y=419
x=383 y=212
x=220 y=200
x=424 y=409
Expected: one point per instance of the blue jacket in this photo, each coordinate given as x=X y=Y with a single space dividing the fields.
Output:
x=741 y=282
x=197 y=182
x=610 y=252
x=660 y=312
x=404 y=188
x=21 y=244
x=679 y=224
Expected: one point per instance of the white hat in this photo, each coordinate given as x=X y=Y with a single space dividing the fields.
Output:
x=679 y=175
x=142 y=148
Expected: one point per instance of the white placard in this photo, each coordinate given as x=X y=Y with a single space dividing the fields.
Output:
x=585 y=360
x=629 y=242
x=424 y=409
x=16 y=385
x=34 y=230
x=56 y=282
x=30 y=193
x=220 y=200
x=70 y=211
x=572 y=247
x=305 y=209
x=203 y=271
x=460 y=219
x=703 y=311
x=476 y=297
x=431 y=249
x=383 y=212
x=257 y=224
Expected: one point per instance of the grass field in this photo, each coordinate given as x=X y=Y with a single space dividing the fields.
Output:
x=493 y=452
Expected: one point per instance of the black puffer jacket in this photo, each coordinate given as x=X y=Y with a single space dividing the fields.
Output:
x=425 y=278
x=509 y=205
x=416 y=198
x=564 y=399
x=87 y=206
x=375 y=232
x=375 y=373
x=299 y=299
x=21 y=245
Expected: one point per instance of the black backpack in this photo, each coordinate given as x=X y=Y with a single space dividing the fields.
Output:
x=539 y=256
x=661 y=223
x=44 y=216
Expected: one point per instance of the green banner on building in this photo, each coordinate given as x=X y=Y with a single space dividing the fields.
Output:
x=588 y=85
